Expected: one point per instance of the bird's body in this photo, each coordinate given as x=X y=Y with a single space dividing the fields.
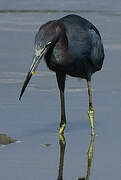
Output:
x=71 y=46
x=79 y=50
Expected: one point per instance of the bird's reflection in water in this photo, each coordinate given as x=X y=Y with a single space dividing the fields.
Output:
x=62 y=143
x=89 y=159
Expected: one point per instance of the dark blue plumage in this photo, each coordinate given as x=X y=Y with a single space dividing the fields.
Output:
x=70 y=46
x=78 y=51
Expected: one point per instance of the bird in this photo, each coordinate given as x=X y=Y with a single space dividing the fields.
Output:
x=71 y=46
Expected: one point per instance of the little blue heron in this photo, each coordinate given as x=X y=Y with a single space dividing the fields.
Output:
x=71 y=46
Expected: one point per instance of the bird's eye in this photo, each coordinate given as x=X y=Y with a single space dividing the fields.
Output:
x=48 y=44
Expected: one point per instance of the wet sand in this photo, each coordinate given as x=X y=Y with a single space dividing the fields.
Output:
x=35 y=120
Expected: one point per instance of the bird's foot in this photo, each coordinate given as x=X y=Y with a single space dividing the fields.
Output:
x=62 y=139
x=91 y=117
x=61 y=131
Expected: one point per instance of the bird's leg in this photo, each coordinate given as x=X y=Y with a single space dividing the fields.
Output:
x=91 y=109
x=61 y=84
x=63 y=116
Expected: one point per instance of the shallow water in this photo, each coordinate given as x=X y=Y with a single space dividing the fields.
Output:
x=35 y=120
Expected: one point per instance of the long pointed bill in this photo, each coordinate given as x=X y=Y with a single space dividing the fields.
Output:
x=35 y=63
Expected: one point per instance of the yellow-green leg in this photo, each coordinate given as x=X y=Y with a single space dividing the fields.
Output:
x=62 y=127
x=91 y=109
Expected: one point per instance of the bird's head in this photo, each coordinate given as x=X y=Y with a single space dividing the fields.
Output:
x=44 y=41
x=39 y=53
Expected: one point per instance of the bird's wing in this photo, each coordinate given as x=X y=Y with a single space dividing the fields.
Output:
x=97 y=50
